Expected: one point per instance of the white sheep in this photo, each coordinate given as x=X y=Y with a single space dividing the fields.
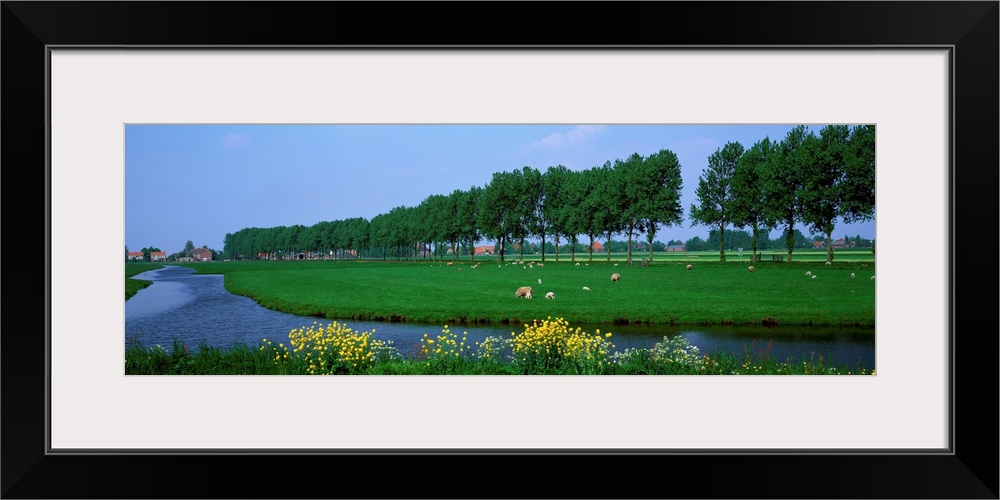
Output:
x=873 y=278
x=690 y=267
x=828 y=263
x=809 y=273
x=577 y=264
x=539 y=281
x=852 y=275
x=616 y=277
x=586 y=288
x=616 y=264
x=750 y=269
x=541 y=265
x=814 y=276
x=550 y=295
x=524 y=291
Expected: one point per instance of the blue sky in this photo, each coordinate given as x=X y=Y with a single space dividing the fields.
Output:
x=199 y=182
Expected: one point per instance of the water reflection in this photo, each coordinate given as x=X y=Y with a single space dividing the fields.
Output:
x=196 y=308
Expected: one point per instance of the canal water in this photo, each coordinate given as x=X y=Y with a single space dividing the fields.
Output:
x=196 y=308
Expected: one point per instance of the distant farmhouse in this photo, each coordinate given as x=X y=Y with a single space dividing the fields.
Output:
x=135 y=256
x=675 y=248
x=156 y=256
x=485 y=250
x=201 y=255
x=838 y=243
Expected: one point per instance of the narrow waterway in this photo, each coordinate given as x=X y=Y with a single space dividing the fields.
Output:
x=195 y=309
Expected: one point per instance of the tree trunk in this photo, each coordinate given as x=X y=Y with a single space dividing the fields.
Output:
x=557 y=246
x=629 y=247
x=543 y=246
x=790 y=239
x=753 y=251
x=722 y=243
x=649 y=241
x=829 y=247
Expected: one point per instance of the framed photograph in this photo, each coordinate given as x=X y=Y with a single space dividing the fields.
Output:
x=925 y=73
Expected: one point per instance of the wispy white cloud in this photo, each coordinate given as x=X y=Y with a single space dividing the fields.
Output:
x=235 y=140
x=578 y=135
x=696 y=146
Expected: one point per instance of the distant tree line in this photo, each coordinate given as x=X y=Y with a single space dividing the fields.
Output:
x=805 y=178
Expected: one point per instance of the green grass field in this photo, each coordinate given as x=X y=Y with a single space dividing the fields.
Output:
x=132 y=286
x=712 y=292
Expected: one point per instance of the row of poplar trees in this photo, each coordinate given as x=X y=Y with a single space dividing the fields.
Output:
x=817 y=180
x=803 y=178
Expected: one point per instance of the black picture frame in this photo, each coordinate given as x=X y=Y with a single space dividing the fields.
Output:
x=970 y=28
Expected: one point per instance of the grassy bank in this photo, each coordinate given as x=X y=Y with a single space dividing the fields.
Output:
x=666 y=292
x=132 y=286
x=543 y=348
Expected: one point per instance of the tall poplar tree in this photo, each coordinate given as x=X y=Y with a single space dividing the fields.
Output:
x=823 y=180
x=715 y=194
x=783 y=183
x=660 y=196
x=750 y=202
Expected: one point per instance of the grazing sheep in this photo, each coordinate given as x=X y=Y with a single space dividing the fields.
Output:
x=541 y=264
x=460 y=269
x=852 y=275
x=577 y=264
x=524 y=291
x=450 y=263
x=616 y=264
x=828 y=263
x=550 y=295
x=809 y=273
x=873 y=278
x=690 y=267
x=539 y=281
x=814 y=276
x=616 y=277
x=645 y=263
x=750 y=269
x=586 y=288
